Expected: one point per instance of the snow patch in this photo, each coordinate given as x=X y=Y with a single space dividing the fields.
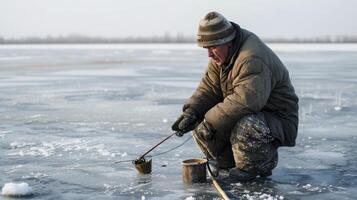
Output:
x=16 y=189
x=262 y=196
x=310 y=188
x=338 y=108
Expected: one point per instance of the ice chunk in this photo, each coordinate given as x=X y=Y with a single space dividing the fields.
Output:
x=258 y=195
x=311 y=188
x=16 y=189
x=338 y=108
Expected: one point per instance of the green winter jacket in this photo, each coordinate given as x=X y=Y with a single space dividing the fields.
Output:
x=255 y=80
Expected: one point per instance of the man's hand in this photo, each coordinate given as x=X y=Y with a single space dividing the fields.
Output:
x=185 y=123
x=205 y=131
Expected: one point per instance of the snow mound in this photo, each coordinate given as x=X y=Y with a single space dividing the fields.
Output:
x=16 y=189
x=262 y=196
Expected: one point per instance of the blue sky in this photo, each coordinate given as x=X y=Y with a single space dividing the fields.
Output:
x=119 y=18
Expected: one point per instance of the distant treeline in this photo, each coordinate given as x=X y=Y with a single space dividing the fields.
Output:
x=79 y=39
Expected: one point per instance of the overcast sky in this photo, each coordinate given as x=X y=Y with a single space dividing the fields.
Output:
x=121 y=18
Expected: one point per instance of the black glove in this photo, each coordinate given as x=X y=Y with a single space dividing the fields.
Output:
x=185 y=123
x=205 y=131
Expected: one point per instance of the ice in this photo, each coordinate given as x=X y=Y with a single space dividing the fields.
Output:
x=52 y=148
x=15 y=58
x=338 y=108
x=103 y=72
x=16 y=189
x=260 y=195
x=237 y=184
x=44 y=149
x=69 y=112
x=269 y=197
x=161 y=52
x=310 y=188
x=301 y=47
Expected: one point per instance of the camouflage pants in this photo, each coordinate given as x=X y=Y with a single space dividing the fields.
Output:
x=250 y=147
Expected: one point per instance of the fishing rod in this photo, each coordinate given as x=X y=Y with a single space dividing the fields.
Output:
x=216 y=184
x=152 y=148
x=159 y=153
x=219 y=188
x=142 y=165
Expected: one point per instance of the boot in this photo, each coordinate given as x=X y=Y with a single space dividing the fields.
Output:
x=266 y=174
x=241 y=175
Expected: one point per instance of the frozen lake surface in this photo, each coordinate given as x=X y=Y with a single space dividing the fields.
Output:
x=68 y=112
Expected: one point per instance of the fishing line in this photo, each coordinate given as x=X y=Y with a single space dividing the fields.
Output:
x=160 y=153
x=167 y=151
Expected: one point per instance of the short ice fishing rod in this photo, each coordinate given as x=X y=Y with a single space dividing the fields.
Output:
x=152 y=148
x=141 y=158
x=144 y=166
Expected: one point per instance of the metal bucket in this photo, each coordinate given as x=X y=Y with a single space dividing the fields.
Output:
x=143 y=165
x=194 y=170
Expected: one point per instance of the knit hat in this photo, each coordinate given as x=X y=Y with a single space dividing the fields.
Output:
x=214 y=29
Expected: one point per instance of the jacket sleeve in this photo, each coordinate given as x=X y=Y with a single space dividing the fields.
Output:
x=252 y=87
x=208 y=92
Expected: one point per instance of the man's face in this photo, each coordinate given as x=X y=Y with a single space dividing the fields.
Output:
x=219 y=53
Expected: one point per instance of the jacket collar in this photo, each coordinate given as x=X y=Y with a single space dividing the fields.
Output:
x=234 y=50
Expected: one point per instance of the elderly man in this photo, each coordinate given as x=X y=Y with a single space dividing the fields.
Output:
x=245 y=106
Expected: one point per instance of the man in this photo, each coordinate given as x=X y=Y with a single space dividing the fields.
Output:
x=245 y=106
